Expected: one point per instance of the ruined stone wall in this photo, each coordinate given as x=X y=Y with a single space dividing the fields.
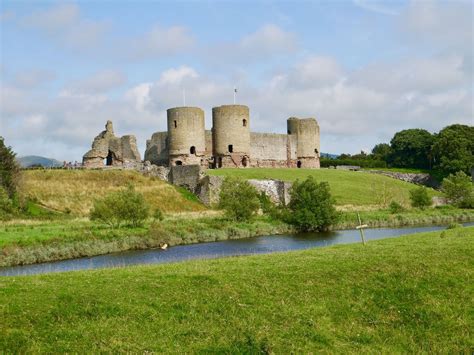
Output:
x=231 y=135
x=111 y=150
x=187 y=143
x=157 y=151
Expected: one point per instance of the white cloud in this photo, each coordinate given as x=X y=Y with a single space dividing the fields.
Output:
x=100 y=82
x=378 y=6
x=32 y=78
x=64 y=24
x=159 y=42
x=443 y=23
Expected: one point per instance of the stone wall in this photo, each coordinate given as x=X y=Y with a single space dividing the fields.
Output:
x=209 y=188
x=187 y=176
x=157 y=151
x=109 y=150
x=415 y=178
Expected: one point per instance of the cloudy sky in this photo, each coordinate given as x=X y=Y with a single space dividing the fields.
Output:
x=365 y=69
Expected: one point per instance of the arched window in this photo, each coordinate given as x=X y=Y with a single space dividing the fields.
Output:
x=178 y=162
x=231 y=148
x=299 y=164
x=192 y=150
x=244 y=122
x=316 y=151
x=175 y=124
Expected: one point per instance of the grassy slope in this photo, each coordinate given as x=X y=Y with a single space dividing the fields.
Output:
x=76 y=189
x=348 y=187
x=407 y=294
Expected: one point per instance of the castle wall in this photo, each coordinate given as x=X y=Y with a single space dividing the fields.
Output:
x=157 y=151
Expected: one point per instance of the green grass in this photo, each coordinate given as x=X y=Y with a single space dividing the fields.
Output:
x=409 y=294
x=349 y=188
x=74 y=191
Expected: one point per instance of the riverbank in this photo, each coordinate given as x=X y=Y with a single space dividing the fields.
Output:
x=408 y=294
x=30 y=242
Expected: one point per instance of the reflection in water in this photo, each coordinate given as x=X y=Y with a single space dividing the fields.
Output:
x=257 y=245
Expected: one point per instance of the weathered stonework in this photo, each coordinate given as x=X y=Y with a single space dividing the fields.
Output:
x=115 y=151
x=230 y=143
x=414 y=178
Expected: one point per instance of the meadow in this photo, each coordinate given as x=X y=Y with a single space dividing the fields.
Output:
x=349 y=188
x=73 y=191
x=409 y=294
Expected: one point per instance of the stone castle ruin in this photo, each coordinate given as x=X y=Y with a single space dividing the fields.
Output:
x=114 y=151
x=228 y=144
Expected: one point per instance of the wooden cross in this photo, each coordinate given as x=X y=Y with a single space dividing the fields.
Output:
x=361 y=227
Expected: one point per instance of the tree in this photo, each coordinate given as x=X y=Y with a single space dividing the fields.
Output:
x=122 y=207
x=411 y=148
x=459 y=190
x=453 y=149
x=312 y=206
x=238 y=198
x=381 y=151
x=9 y=169
x=419 y=197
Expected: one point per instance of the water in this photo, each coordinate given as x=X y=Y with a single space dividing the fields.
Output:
x=257 y=245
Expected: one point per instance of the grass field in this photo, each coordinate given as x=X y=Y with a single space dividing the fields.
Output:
x=73 y=191
x=349 y=188
x=408 y=294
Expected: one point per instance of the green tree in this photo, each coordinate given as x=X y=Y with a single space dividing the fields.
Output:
x=312 y=206
x=382 y=151
x=453 y=149
x=419 y=197
x=126 y=206
x=239 y=199
x=459 y=189
x=9 y=169
x=411 y=148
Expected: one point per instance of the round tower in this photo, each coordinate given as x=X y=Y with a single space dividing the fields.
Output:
x=307 y=141
x=186 y=136
x=231 y=136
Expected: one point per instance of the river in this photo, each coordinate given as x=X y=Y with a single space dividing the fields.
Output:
x=256 y=245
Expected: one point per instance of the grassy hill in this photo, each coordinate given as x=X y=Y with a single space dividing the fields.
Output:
x=404 y=295
x=75 y=190
x=348 y=187
x=30 y=160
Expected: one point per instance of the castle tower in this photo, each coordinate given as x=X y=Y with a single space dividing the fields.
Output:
x=231 y=136
x=307 y=137
x=187 y=144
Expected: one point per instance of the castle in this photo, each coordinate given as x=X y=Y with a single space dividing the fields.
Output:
x=228 y=144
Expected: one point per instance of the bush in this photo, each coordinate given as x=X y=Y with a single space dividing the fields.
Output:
x=395 y=207
x=122 y=207
x=419 y=197
x=6 y=204
x=459 y=190
x=238 y=198
x=158 y=215
x=312 y=206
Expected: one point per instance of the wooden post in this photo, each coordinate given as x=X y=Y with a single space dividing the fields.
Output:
x=361 y=227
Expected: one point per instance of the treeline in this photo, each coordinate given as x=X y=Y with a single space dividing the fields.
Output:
x=446 y=152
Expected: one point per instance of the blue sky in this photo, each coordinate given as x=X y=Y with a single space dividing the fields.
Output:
x=365 y=69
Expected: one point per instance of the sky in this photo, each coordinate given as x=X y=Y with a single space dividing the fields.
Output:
x=364 y=69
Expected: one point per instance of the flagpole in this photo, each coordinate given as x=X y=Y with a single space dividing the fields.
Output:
x=235 y=91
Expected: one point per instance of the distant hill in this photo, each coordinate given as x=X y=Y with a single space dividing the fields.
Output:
x=329 y=155
x=30 y=160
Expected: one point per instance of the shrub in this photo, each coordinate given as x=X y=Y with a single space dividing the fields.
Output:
x=419 y=197
x=238 y=198
x=158 y=215
x=395 y=207
x=312 y=206
x=122 y=207
x=459 y=190
x=6 y=204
